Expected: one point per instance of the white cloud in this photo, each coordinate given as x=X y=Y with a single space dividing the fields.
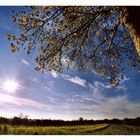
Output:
x=52 y=99
x=108 y=86
x=95 y=73
x=121 y=88
x=101 y=106
x=54 y=74
x=46 y=88
x=65 y=76
x=7 y=27
x=123 y=80
x=25 y=62
x=75 y=80
x=78 y=81
x=100 y=84
x=6 y=99
x=35 y=80
x=106 y=107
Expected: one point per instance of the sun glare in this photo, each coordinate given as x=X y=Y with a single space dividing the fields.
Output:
x=10 y=85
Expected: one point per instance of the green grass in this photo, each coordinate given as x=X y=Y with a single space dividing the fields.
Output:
x=120 y=130
x=98 y=129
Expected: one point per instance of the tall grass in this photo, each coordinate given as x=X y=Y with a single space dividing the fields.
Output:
x=50 y=130
x=99 y=129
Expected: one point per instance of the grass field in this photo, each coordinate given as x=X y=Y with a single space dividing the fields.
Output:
x=98 y=129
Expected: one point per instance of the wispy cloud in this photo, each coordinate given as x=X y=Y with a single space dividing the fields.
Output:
x=101 y=106
x=35 y=80
x=121 y=85
x=122 y=82
x=124 y=79
x=20 y=101
x=76 y=80
x=25 y=62
x=45 y=86
x=7 y=27
x=111 y=107
x=99 y=84
x=52 y=99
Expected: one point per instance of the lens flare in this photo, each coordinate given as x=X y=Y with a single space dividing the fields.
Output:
x=10 y=85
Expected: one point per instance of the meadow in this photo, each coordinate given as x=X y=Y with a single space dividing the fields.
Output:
x=94 y=129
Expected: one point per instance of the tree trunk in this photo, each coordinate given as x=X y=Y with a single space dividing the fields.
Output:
x=134 y=17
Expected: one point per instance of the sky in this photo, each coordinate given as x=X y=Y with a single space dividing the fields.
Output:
x=67 y=96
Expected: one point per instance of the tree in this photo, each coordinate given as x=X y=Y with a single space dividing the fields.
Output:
x=86 y=38
x=81 y=119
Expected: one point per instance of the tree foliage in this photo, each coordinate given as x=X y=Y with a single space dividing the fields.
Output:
x=87 y=37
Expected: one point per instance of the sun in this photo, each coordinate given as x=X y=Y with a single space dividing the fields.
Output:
x=10 y=85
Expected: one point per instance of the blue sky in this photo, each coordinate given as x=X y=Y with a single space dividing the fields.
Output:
x=70 y=95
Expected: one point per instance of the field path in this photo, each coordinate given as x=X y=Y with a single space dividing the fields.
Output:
x=114 y=129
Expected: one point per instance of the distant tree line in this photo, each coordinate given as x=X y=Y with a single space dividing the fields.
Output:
x=48 y=122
